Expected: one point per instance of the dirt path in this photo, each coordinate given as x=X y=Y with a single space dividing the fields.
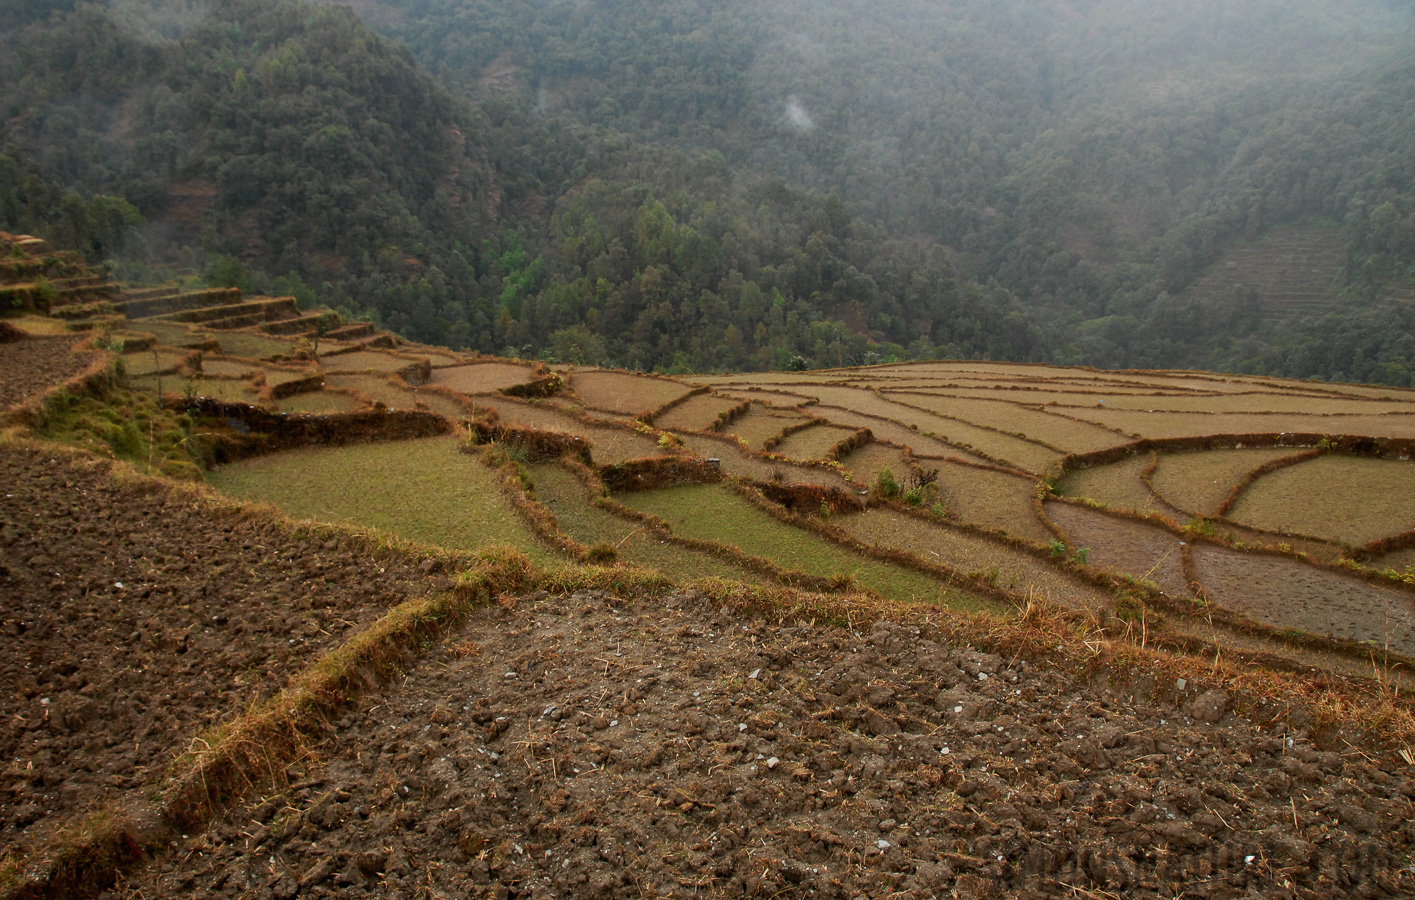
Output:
x=580 y=747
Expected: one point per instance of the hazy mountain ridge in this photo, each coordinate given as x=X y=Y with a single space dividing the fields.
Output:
x=1091 y=159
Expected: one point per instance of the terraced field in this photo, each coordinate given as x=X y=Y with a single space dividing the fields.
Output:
x=507 y=634
x=710 y=513
x=1168 y=452
x=1199 y=482
x=426 y=491
x=1174 y=481
x=483 y=378
x=1189 y=466
x=1342 y=499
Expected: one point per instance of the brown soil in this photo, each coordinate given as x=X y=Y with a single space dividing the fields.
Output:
x=1197 y=482
x=625 y=393
x=865 y=463
x=1119 y=485
x=479 y=378
x=698 y=413
x=134 y=617
x=1291 y=594
x=584 y=747
x=989 y=498
x=1124 y=546
x=30 y=367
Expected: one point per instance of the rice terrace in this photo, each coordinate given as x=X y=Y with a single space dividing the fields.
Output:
x=297 y=608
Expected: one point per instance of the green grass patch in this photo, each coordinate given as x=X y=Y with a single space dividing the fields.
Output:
x=128 y=425
x=1118 y=485
x=713 y=513
x=565 y=496
x=319 y=403
x=1004 y=567
x=426 y=491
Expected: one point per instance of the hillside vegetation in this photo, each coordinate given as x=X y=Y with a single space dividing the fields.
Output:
x=685 y=186
x=286 y=149
x=1093 y=158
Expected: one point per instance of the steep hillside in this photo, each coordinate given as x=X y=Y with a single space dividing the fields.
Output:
x=1044 y=142
x=698 y=186
x=286 y=150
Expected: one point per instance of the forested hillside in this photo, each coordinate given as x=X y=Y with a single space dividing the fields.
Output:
x=284 y=147
x=1094 y=158
x=693 y=185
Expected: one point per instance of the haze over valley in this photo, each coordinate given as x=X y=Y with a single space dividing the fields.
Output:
x=694 y=186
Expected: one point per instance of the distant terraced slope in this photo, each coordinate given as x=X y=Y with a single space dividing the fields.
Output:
x=1289 y=273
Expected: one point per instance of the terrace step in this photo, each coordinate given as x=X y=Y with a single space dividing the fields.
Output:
x=22 y=269
x=352 y=332
x=44 y=299
x=32 y=245
x=231 y=323
x=151 y=293
x=77 y=281
x=81 y=310
x=251 y=312
x=1288 y=273
x=305 y=323
x=166 y=305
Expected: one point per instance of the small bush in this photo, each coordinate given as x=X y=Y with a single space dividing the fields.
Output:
x=127 y=440
x=1200 y=525
x=886 y=485
x=601 y=552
